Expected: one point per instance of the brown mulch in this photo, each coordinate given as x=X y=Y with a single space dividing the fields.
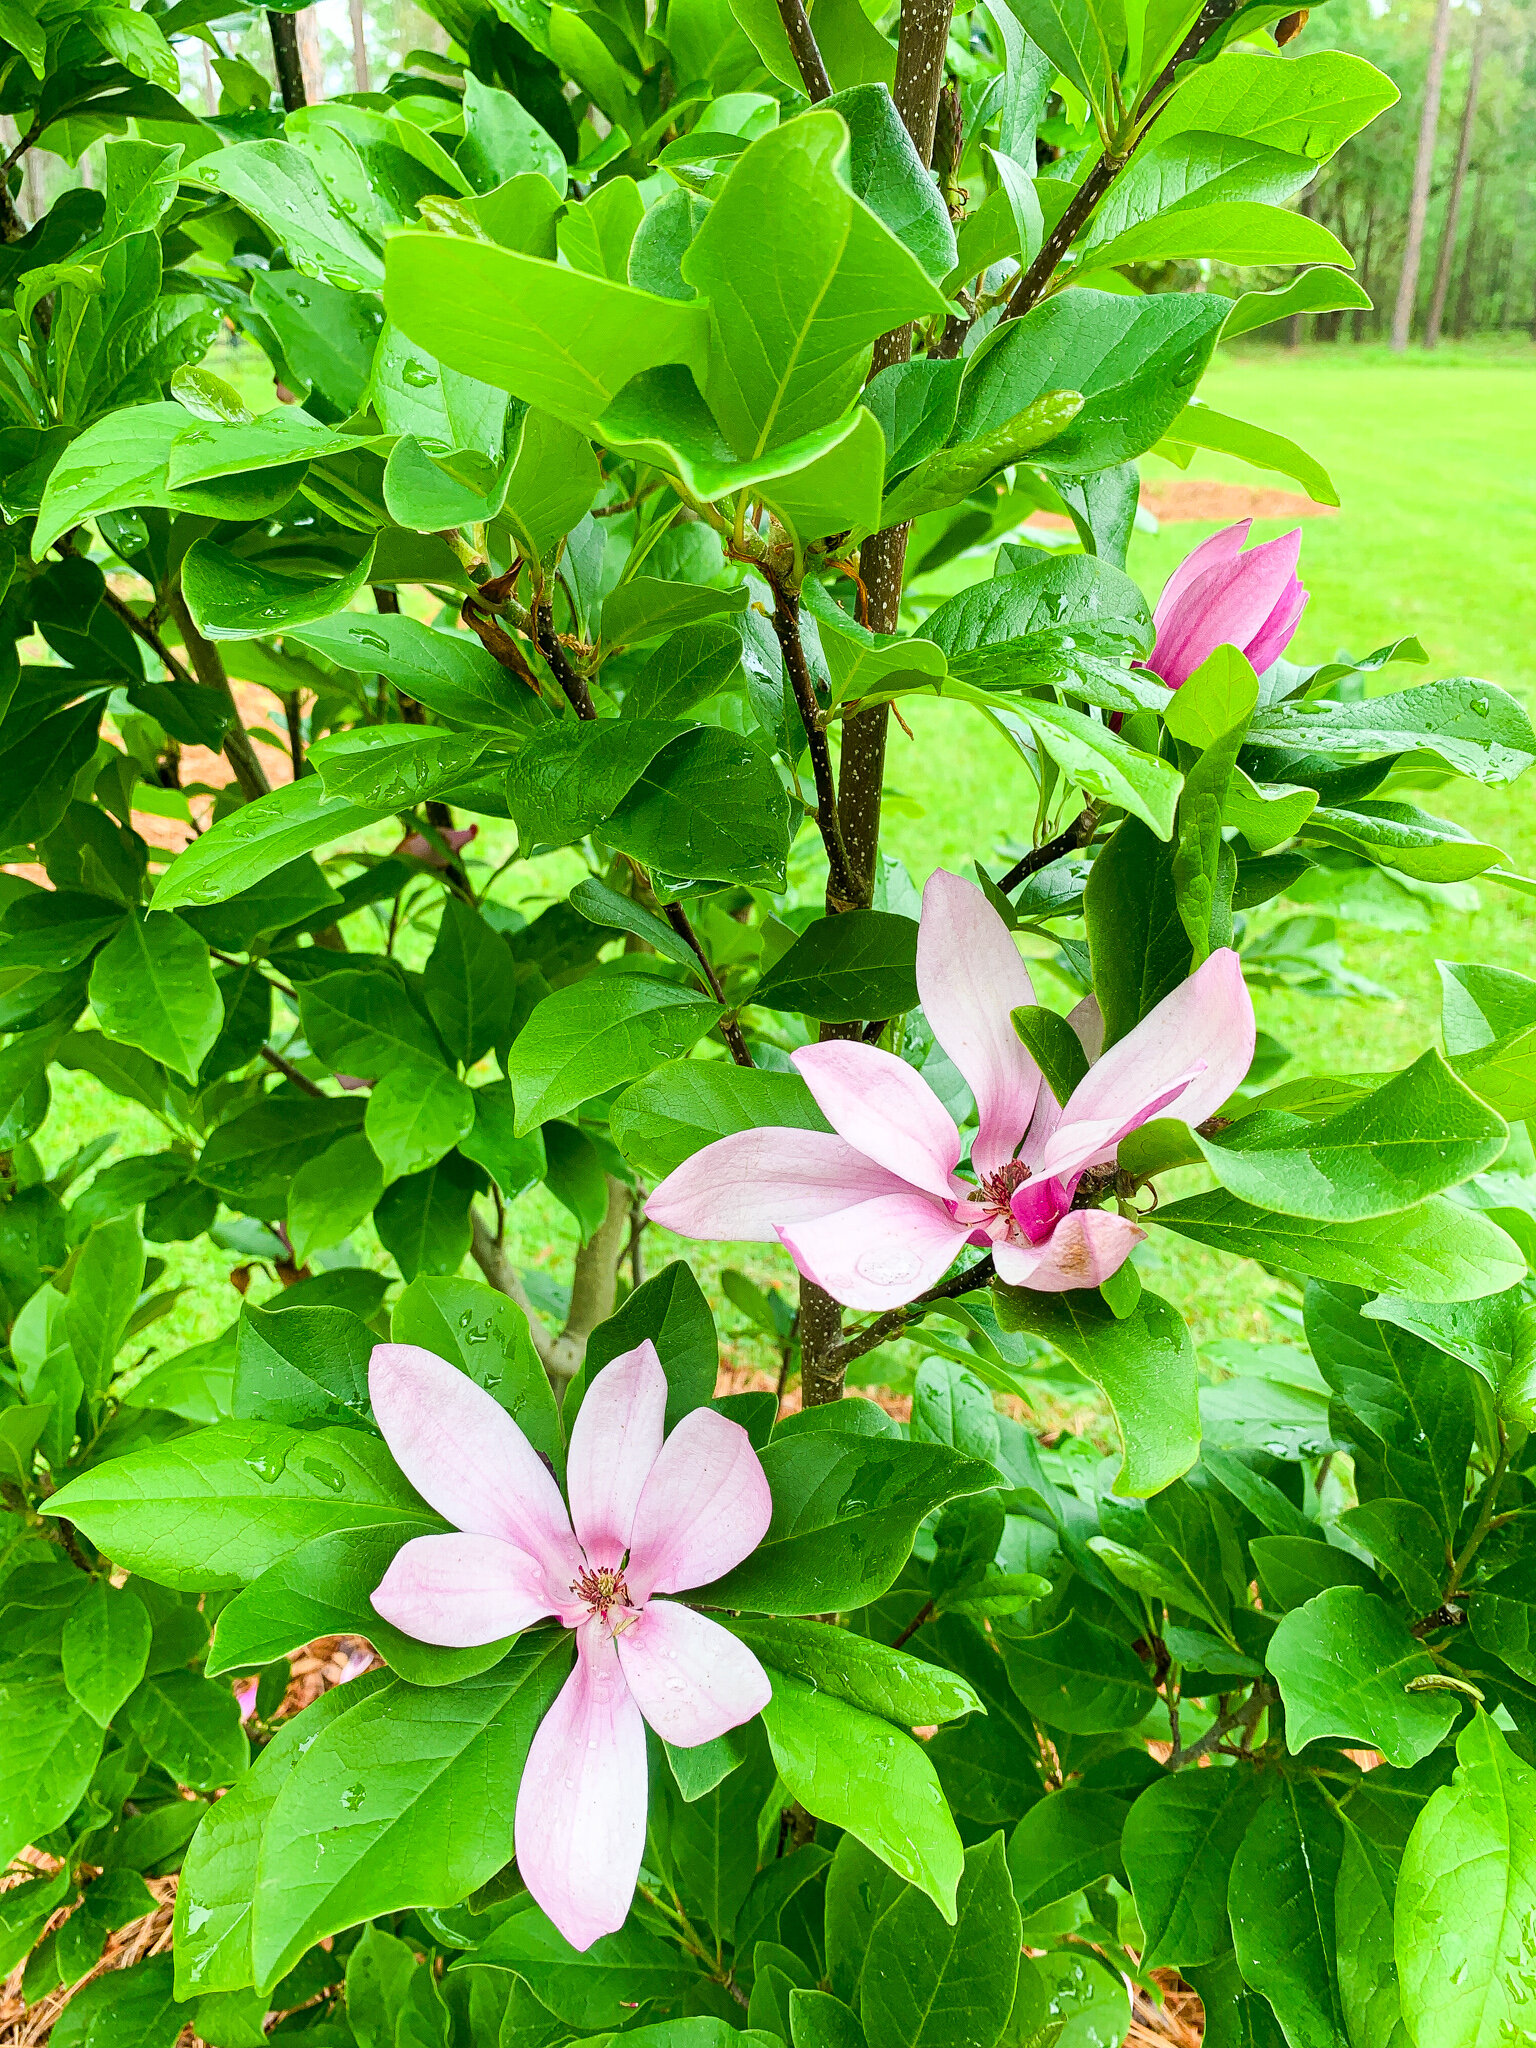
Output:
x=1186 y=499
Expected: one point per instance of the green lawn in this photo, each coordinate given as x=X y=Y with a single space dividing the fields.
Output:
x=1435 y=461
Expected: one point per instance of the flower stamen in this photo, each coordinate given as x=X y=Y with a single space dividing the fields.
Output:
x=601 y=1589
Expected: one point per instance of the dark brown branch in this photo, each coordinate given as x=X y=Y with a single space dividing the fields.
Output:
x=730 y=1029
x=924 y=1613
x=802 y=44
x=578 y=696
x=895 y=1320
x=842 y=888
x=1245 y=1717
x=284 y=31
x=289 y=1072
x=1076 y=836
x=1031 y=287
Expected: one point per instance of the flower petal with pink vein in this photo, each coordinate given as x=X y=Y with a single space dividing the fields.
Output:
x=1220 y=549
x=614 y=1443
x=581 y=1806
x=691 y=1678
x=971 y=979
x=462 y=1590
x=878 y=1254
x=882 y=1106
x=744 y=1186
x=705 y=1506
x=465 y=1455
x=1086 y=1246
x=1083 y=1140
x=1209 y=1018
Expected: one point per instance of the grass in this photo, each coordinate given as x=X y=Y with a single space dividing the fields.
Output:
x=1435 y=462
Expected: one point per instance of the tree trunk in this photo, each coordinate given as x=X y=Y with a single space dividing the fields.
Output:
x=285 y=55
x=359 y=47
x=1458 y=181
x=1469 y=261
x=1423 y=167
x=1366 y=275
x=1293 y=327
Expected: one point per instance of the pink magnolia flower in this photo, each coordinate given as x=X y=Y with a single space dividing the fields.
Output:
x=1220 y=596
x=646 y=1518
x=417 y=846
x=877 y=1213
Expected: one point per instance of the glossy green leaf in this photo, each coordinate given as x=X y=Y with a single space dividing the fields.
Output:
x=861 y=964
x=105 y=1648
x=448 y=672
x=190 y=1727
x=231 y=598
x=256 y=840
x=152 y=986
x=684 y=1105
x=1346 y=1666
x=1179 y=1844
x=1281 y=1894
x=1368 y=1988
x=893 y=1684
x=1473 y=727
x=931 y=1985
x=1067 y=1840
x=1078 y=1677
x=594 y=1987
x=49 y=1747
x=103 y=1295
x=595 y=1035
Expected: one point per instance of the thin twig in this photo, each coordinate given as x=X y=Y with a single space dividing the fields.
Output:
x=1246 y=1716
x=730 y=1029
x=842 y=890
x=802 y=42
x=895 y=1320
x=291 y=1073
x=924 y=1613
x=1076 y=836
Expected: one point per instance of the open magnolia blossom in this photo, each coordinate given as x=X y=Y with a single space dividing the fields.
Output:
x=875 y=1211
x=1223 y=596
x=646 y=1518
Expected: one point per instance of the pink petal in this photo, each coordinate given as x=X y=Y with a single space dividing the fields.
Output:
x=1209 y=1018
x=1086 y=1246
x=881 y=1106
x=878 y=1254
x=461 y=1590
x=1087 y=1020
x=1279 y=629
x=705 y=1507
x=691 y=1678
x=614 y=1442
x=465 y=1455
x=1227 y=606
x=581 y=1806
x=970 y=977
x=1214 y=553
x=1083 y=1141
x=743 y=1187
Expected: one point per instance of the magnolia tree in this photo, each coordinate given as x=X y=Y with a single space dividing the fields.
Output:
x=664 y=395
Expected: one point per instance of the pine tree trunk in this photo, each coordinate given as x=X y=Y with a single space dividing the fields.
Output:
x=1458 y=182
x=1423 y=167
x=359 y=46
x=1469 y=262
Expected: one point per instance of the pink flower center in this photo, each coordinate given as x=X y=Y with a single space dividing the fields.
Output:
x=996 y=1192
x=601 y=1589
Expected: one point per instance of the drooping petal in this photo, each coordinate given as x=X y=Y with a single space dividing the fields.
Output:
x=581 y=1806
x=970 y=978
x=461 y=1590
x=691 y=1678
x=1279 y=629
x=705 y=1506
x=743 y=1187
x=1086 y=1246
x=1089 y=1141
x=465 y=1455
x=879 y=1254
x=614 y=1442
x=1208 y=1018
x=884 y=1108
x=1220 y=549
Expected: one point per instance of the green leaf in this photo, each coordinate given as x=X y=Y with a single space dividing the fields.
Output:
x=1179 y=1844
x=886 y=172
x=866 y=1777
x=1466 y=1895
x=1344 y=1663
x=791 y=332
x=598 y=1986
x=1135 y=361
x=1473 y=727
x=893 y=1684
x=1097 y=760
x=281 y=186
x=670 y=1310
x=604 y=906
x=394 y=767
x=332 y=1195
x=1323 y=290
x=49 y=1747
x=1065 y=1841
x=1078 y=1677
x=442 y=1766
x=845 y=1511
x=597 y=1034
x=132 y=2008
x=1437 y=1251
x=1402 y=1537
x=215 y=1508
x=1144 y=1364
x=256 y=840
x=190 y=1727
x=152 y=986
x=1368 y=1986
x=1282 y=1904
x=694 y=664
x=103 y=1294
x=950 y=474
x=1404 y=838
x=1310 y=104
x=503 y=140
x=448 y=672
x=1294 y=1569
x=709 y=806
x=1053 y=1045
x=1235 y=231
x=1197 y=426
x=928 y=1985
x=252 y=1160
x=514 y=1163
x=231 y=598
x=306 y=1367
x=218 y=1877
x=679 y=1108
x=861 y=964
x=646 y=607
x=105 y=1649
x=361 y=1021
x=414 y=1116
x=483 y=1333
x=562 y=339
x=423 y=1220
x=1423 y=1132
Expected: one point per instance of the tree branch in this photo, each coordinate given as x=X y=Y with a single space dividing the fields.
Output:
x=1076 y=836
x=1246 y=1717
x=578 y=696
x=211 y=673
x=842 y=888
x=284 y=31
x=730 y=1030
x=289 y=1072
x=802 y=43
x=895 y=1320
